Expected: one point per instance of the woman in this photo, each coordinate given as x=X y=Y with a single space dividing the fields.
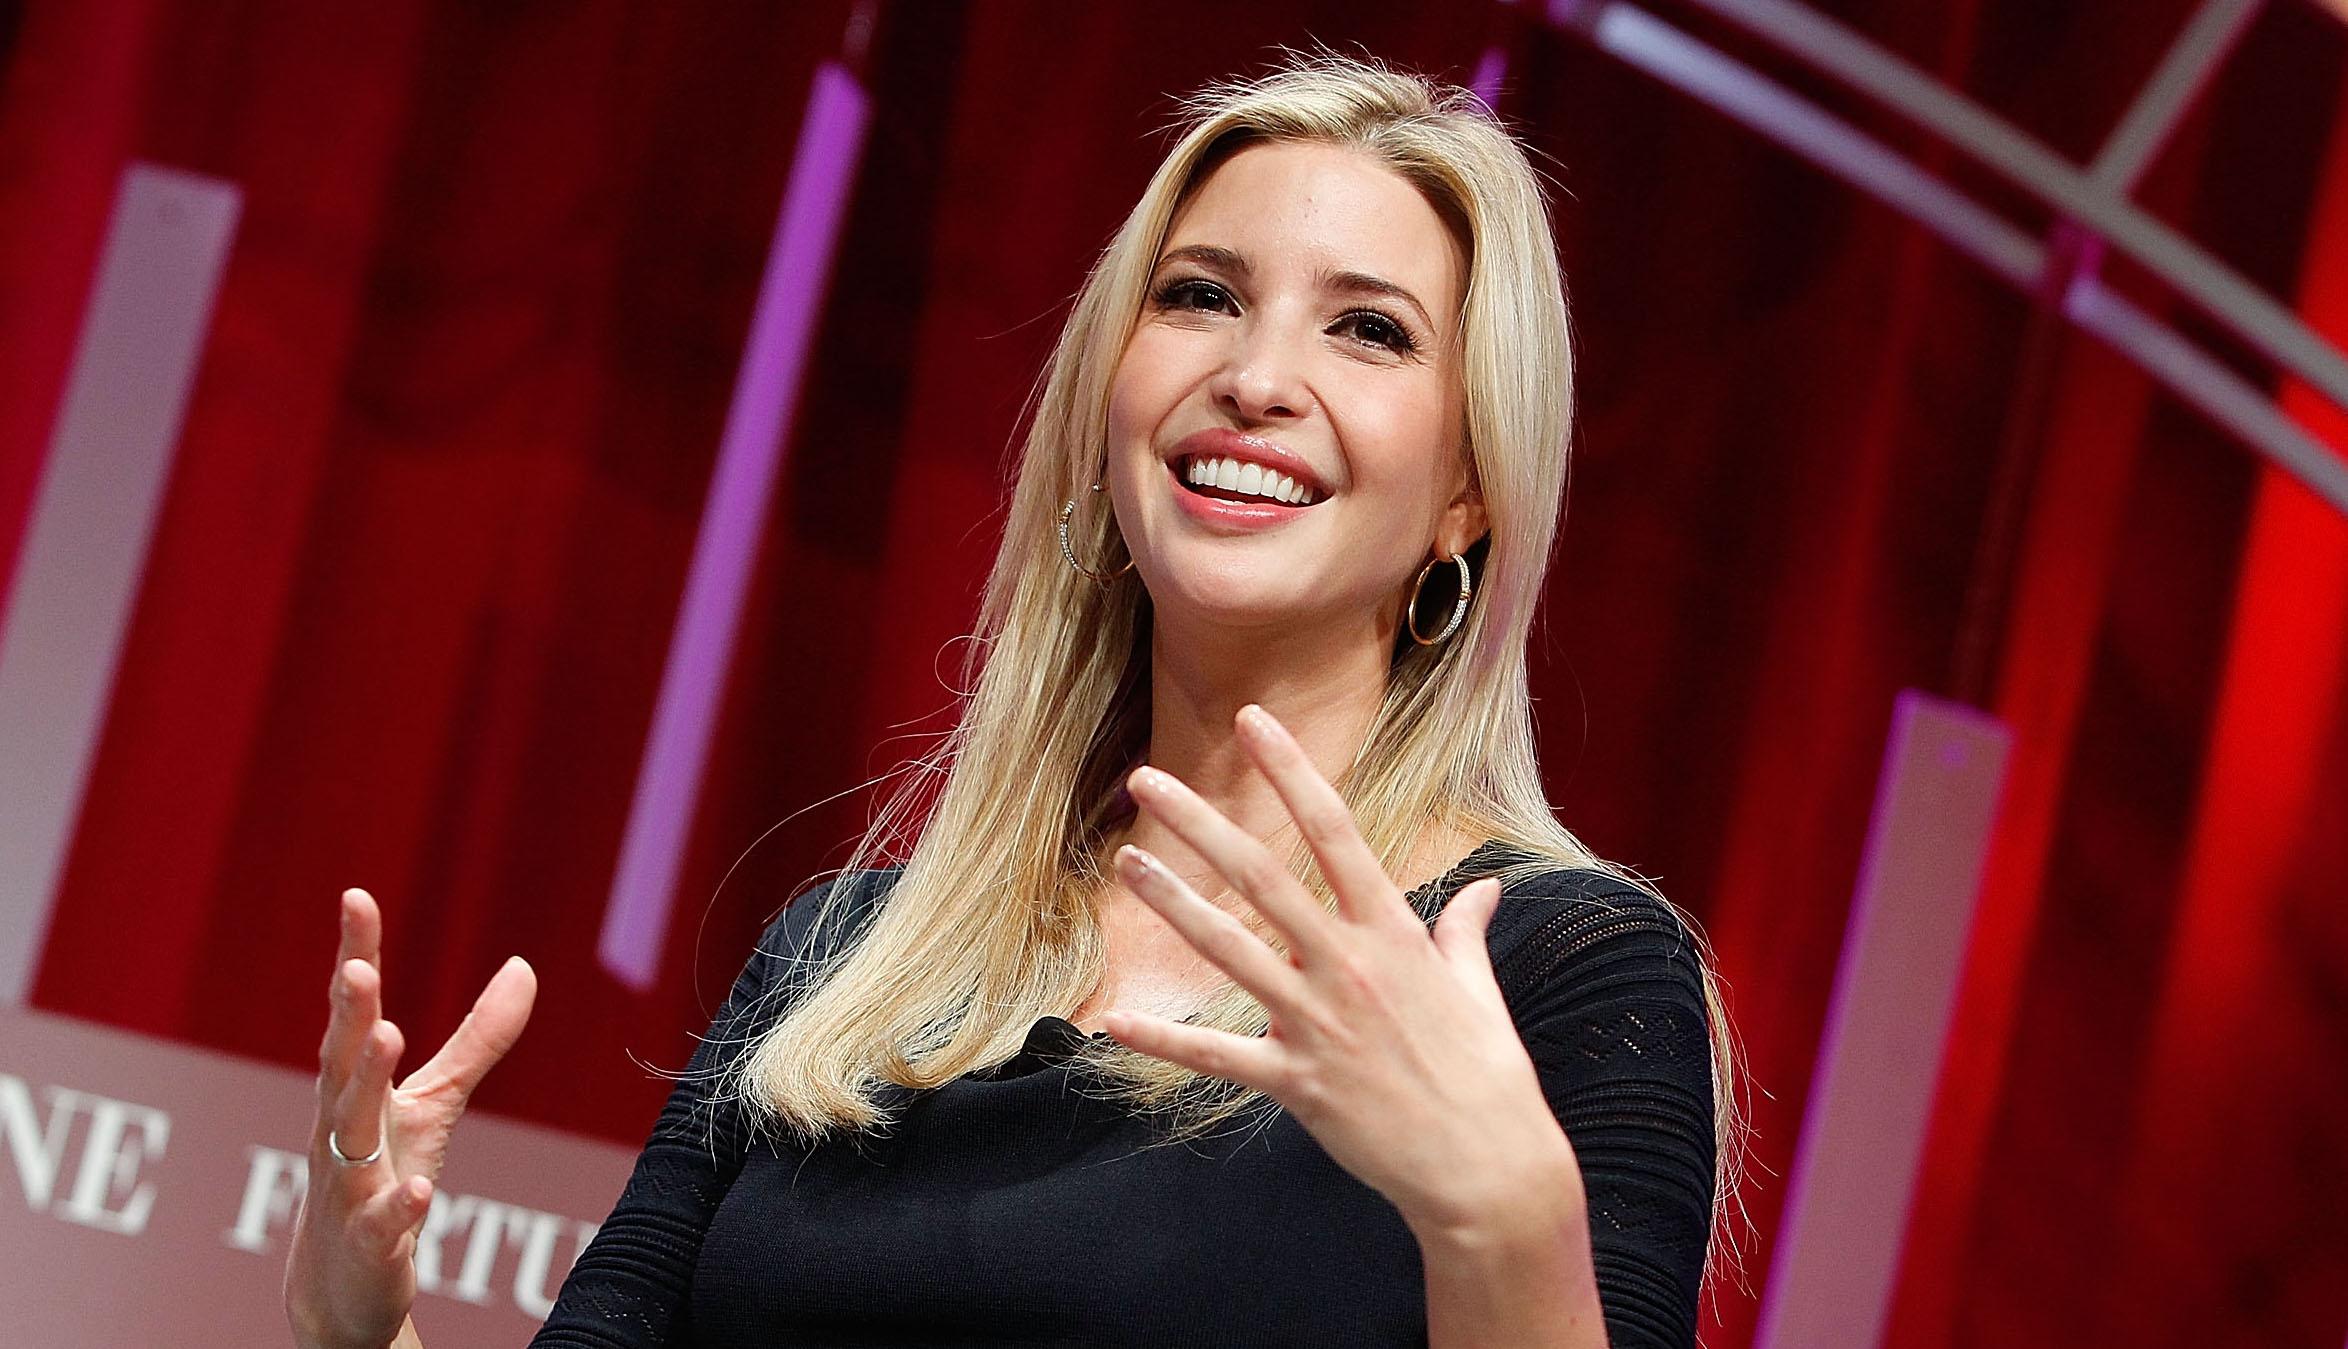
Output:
x=1156 y=1036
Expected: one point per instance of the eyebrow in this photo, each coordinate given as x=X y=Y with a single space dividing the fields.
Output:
x=1348 y=282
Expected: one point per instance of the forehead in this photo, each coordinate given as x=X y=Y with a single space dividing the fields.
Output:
x=1323 y=207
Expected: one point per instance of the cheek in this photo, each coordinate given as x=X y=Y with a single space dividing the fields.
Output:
x=1405 y=439
x=1148 y=382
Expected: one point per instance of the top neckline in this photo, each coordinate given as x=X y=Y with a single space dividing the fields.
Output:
x=1490 y=845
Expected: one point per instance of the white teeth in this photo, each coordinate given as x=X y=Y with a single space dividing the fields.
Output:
x=1253 y=479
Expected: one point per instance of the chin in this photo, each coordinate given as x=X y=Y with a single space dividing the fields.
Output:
x=1235 y=598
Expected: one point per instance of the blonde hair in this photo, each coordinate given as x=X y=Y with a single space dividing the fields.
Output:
x=1001 y=828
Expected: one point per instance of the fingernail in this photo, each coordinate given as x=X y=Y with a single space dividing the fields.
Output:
x=1149 y=780
x=1133 y=861
x=1256 y=719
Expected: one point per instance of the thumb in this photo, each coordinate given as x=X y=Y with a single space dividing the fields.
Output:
x=1461 y=928
x=487 y=1032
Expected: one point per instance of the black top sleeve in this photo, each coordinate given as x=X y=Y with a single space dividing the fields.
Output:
x=631 y=1286
x=1607 y=991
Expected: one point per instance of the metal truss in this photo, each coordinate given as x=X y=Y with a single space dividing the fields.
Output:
x=2092 y=202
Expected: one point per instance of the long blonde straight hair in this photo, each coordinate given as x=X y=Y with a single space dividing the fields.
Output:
x=1000 y=830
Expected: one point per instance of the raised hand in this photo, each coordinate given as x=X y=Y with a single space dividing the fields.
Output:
x=376 y=1150
x=1393 y=1048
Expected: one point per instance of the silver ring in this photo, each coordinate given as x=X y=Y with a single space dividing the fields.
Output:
x=334 y=1146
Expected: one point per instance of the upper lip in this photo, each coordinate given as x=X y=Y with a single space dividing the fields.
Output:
x=1221 y=442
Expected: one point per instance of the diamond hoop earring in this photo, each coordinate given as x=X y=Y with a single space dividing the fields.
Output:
x=1410 y=616
x=1067 y=513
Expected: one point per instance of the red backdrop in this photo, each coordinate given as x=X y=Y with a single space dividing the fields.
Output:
x=405 y=613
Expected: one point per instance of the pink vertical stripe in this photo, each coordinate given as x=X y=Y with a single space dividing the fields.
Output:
x=1838 y=1241
x=750 y=457
x=73 y=591
x=1491 y=69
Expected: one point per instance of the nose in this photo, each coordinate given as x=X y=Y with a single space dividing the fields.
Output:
x=1262 y=378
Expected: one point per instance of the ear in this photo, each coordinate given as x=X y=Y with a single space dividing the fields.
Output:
x=1463 y=520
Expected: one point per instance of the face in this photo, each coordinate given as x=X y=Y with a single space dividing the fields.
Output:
x=1286 y=425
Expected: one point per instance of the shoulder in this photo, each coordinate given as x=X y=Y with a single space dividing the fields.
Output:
x=820 y=921
x=1605 y=980
x=1556 y=917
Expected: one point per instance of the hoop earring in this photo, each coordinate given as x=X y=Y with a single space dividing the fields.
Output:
x=1410 y=616
x=1068 y=512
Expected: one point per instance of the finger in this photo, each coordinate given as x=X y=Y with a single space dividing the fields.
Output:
x=1321 y=815
x=486 y=1033
x=1214 y=933
x=1251 y=868
x=383 y=1223
x=1461 y=929
x=358 y=1114
x=1245 y=1059
x=362 y=929
x=356 y=999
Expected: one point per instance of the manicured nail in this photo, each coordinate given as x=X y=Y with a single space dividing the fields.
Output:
x=1257 y=720
x=1150 y=780
x=1133 y=862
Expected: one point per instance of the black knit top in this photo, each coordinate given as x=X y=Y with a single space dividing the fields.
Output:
x=1012 y=1207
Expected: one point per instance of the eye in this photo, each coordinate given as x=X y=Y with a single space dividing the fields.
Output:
x=1375 y=328
x=1194 y=293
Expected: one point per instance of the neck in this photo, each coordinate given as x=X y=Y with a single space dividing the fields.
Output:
x=1324 y=686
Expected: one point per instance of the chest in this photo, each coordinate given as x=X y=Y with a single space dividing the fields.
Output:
x=1149 y=968
x=1023 y=1213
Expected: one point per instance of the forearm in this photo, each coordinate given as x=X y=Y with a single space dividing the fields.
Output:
x=1518 y=1274
x=406 y=1339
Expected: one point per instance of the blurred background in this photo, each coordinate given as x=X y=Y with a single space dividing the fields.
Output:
x=583 y=438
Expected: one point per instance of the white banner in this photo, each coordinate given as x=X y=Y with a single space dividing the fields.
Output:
x=146 y=1189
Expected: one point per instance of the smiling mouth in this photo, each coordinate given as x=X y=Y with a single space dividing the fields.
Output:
x=1226 y=479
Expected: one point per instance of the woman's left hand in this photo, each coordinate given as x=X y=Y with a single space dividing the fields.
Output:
x=1393 y=1047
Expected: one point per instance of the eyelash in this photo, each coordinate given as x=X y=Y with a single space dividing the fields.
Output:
x=1172 y=294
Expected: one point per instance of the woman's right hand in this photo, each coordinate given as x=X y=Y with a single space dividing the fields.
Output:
x=350 y=1276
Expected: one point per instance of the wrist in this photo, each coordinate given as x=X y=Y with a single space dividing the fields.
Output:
x=1531 y=1202
x=309 y=1328
x=314 y=1331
